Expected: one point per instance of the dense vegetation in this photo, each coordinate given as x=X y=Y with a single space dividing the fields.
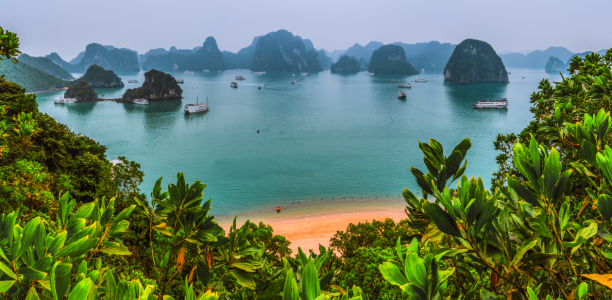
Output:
x=75 y=227
x=390 y=59
x=32 y=79
x=282 y=51
x=157 y=86
x=207 y=58
x=97 y=77
x=475 y=61
x=46 y=65
x=81 y=91
x=345 y=65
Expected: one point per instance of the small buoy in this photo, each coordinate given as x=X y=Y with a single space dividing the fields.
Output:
x=278 y=209
x=257 y=130
x=259 y=88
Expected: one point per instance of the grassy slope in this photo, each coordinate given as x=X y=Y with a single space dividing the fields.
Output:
x=32 y=79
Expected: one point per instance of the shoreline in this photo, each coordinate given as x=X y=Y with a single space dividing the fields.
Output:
x=51 y=90
x=307 y=226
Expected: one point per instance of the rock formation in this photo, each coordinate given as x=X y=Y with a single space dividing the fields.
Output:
x=390 y=59
x=97 y=77
x=118 y=60
x=363 y=64
x=345 y=65
x=282 y=51
x=81 y=91
x=555 y=65
x=206 y=58
x=157 y=86
x=475 y=61
x=325 y=61
x=46 y=65
x=364 y=52
x=55 y=58
x=243 y=59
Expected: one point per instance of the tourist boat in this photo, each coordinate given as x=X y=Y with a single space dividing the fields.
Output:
x=141 y=101
x=501 y=103
x=196 y=108
x=421 y=79
x=205 y=71
x=259 y=73
x=219 y=72
x=233 y=84
x=305 y=74
x=404 y=85
x=188 y=72
x=393 y=80
x=180 y=81
x=133 y=81
x=293 y=82
x=369 y=73
x=64 y=100
x=239 y=77
x=401 y=95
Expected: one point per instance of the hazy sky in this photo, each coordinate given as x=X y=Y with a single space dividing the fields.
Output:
x=67 y=26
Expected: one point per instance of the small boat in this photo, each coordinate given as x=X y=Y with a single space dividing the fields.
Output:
x=233 y=84
x=305 y=74
x=188 y=72
x=501 y=103
x=259 y=88
x=393 y=80
x=293 y=82
x=205 y=71
x=293 y=74
x=180 y=81
x=421 y=79
x=133 y=81
x=141 y=101
x=369 y=73
x=404 y=85
x=401 y=95
x=259 y=73
x=196 y=108
x=219 y=72
x=64 y=100
x=239 y=77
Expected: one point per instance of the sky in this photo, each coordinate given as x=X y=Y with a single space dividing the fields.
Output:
x=67 y=26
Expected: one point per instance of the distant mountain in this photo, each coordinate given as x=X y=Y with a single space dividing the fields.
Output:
x=325 y=61
x=555 y=65
x=30 y=78
x=535 y=59
x=77 y=60
x=118 y=60
x=345 y=65
x=207 y=58
x=55 y=58
x=432 y=55
x=97 y=77
x=363 y=64
x=475 y=61
x=243 y=59
x=161 y=51
x=336 y=54
x=282 y=51
x=363 y=52
x=46 y=65
x=390 y=59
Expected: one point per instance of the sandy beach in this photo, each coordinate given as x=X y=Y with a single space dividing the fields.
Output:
x=309 y=224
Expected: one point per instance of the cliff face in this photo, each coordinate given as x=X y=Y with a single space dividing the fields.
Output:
x=46 y=65
x=364 y=52
x=325 y=61
x=475 y=61
x=243 y=59
x=81 y=91
x=56 y=59
x=363 y=64
x=97 y=77
x=118 y=60
x=390 y=59
x=555 y=65
x=432 y=55
x=282 y=51
x=345 y=65
x=206 y=58
x=157 y=86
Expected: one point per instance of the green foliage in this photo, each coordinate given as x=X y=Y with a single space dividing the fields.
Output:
x=282 y=51
x=9 y=45
x=277 y=247
x=31 y=78
x=390 y=59
x=46 y=65
x=475 y=61
x=376 y=234
x=158 y=85
x=97 y=77
x=81 y=91
x=346 y=65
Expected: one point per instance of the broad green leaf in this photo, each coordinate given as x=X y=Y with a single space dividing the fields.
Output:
x=6 y=270
x=392 y=274
x=81 y=290
x=32 y=294
x=124 y=214
x=604 y=205
x=525 y=246
x=539 y=227
x=6 y=285
x=416 y=273
x=31 y=274
x=243 y=278
x=414 y=292
x=310 y=282
x=84 y=211
x=442 y=219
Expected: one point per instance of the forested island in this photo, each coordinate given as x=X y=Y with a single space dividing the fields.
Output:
x=555 y=65
x=97 y=77
x=390 y=59
x=282 y=51
x=345 y=65
x=475 y=61
x=157 y=86
x=81 y=91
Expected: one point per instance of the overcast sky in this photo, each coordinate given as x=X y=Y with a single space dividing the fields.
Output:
x=67 y=26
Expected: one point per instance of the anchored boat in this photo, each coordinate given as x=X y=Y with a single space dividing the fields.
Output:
x=196 y=108
x=64 y=100
x=133 y=81
x=233 y=84
x=404 y=85
x=180 y=81
x=141 y=101
x=501 y=103
x=401 y=95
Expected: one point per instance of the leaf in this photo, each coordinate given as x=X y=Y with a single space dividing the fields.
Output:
x=552 y=172
x=414 y=292
x=604 y=205
x=78 y=248
x=243 y=278
x=589 y=152
x=524 y=193
x=6 y=285
x=310 y=282
x=32 y=295
x=463 y=147
x=525 y=246
x=119 y=227
x=539 y=227
x=392 y=274
x=124 y=214
x=6 y=270
x=442 y=219
x=84 y=211
x=31 y=274
x=415 y=271
x=564 y=216
x=604 y=279
x=81 y=290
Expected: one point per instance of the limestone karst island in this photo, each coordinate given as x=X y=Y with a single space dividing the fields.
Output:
x=258 y=150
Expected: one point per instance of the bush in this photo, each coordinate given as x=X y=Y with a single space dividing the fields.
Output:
x=376 y=234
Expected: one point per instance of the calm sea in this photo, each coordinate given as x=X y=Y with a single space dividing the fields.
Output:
x=327 y=136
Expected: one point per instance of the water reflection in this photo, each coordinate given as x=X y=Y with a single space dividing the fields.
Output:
x=81 y=109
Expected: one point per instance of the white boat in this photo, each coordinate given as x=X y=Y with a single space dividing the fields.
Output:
x=188 y=72
x=305 y=74
x=239 y=77
x=196 y=108
x=233 y=84
x=64 y=100
x=259 y=73
x=401 y=95
x=501 y=103
x=293 y=74
x=141 y=101
x=205 y=71
x=133 y=81
x=219 y=72
x=404 y=85
x=180 y=81
x=421 y=79
x=369 y=73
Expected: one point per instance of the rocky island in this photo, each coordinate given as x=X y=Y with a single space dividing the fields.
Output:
x=97 y=77
x=81 y=91
x=475 y=61
x=345 y=65
x=157 y=86
x=118 y=60
x=555 y=65
x=206 y=58
x=390 y=59
x=282 y=51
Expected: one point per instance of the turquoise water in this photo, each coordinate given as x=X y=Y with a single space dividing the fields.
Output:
x=327 y=136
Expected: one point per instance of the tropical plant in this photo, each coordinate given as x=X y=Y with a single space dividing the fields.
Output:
x=9 y=45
